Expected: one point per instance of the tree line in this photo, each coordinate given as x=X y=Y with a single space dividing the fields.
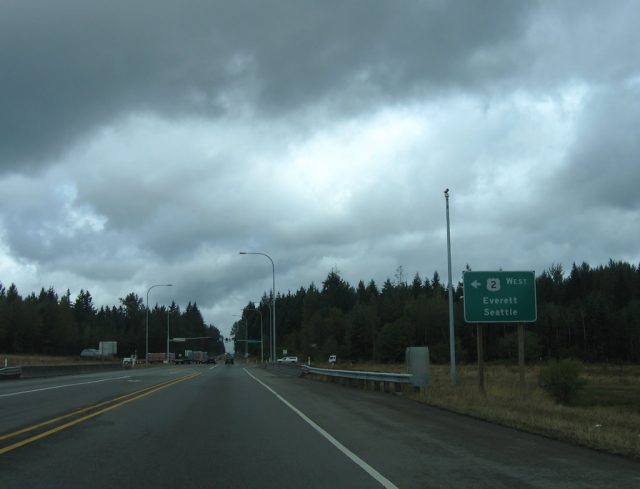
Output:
x=59 y=325
x=589 y=313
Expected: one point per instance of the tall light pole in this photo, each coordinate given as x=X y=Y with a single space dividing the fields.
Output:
x=146 y=341
x=273 y=302
x=452 y=334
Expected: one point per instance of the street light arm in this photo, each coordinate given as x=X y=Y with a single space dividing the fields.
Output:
x=154 y=286
x=258 y=253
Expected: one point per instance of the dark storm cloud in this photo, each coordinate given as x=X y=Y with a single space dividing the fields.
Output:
x=586 y=40
x=170 y=135
x=604 y=165
x=70 y=66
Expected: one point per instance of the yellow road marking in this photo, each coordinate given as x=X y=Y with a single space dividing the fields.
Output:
x=74 y=413
x=140 y=394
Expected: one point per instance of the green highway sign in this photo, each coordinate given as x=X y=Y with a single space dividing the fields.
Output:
x=499 y=297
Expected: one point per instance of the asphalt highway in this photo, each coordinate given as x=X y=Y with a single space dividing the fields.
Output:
x=236 y=427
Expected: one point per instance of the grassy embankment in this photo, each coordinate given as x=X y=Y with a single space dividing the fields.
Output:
x=605 y=415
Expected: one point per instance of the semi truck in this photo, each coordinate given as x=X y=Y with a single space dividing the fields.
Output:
x=192 y=356
x=106 y=349
x=161 y=357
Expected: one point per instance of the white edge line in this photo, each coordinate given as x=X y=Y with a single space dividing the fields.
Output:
x=61 y=386
x=211 y=368
x=354 y=458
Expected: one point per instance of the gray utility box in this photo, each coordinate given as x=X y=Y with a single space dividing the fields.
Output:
x=417 y=359
x=108 y=348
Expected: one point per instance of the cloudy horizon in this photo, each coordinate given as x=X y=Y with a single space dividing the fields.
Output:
x=150 y=141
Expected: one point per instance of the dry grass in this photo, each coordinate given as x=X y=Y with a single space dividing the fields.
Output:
x=605 y=417
x=28 y=360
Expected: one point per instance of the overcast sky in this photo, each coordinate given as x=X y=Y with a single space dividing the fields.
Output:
x=146 y=142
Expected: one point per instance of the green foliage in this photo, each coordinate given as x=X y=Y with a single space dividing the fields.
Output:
x=508 y=346
x=48 y=324
x=337 y=293
x=362 y=327
x=591 y=313
x=561 y=379
x=392 y=342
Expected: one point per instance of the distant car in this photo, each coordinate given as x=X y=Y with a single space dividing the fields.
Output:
x=288 y=360
x=211 y=360
x=332 y=359
x=90 y=353
x=228 y=360
x=129 y=362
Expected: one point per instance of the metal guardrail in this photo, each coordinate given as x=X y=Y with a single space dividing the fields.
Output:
x=10 y=372
x=359 y=374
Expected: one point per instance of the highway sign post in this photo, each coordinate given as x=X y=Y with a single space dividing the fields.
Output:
x=499 y=297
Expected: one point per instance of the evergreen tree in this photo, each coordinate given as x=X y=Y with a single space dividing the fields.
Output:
x=361 y=293
x=592 y=313
x=362 y=326
x=392 y=341
x=436 y=285
x=372 y=291
x=337 y=293
x=416 y=286
x=14 y=320
x=84 y=313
